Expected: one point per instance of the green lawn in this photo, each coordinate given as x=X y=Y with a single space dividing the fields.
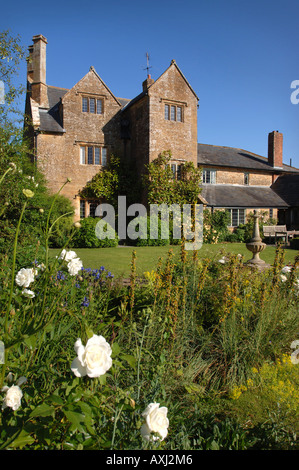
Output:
x=117 y=260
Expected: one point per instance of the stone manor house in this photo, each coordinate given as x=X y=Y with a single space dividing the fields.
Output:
x=74 y=131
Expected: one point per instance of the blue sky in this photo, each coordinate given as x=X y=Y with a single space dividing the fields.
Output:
x=240 y=57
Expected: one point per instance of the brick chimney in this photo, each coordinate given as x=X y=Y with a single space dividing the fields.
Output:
x=147 y=83
x=36 y=70
x=275 y=140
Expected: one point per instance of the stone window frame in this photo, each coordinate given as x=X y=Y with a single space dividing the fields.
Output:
x=170 y=106
x=85 y=207
x=176 y=169
x=246 y=178
x=97 y=99
x=209 y=176
x=90 y=150
x=241 y=216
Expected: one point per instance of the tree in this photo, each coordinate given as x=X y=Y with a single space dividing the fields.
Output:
x=18 y=173
x=12 y=53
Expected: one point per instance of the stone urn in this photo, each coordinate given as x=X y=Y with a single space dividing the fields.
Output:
x=255 y=245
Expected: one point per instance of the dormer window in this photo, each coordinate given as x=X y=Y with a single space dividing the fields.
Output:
x=92 y=105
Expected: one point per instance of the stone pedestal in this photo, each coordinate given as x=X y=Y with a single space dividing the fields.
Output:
x=256 y=246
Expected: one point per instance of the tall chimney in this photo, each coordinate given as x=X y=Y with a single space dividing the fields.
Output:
x=275 y=141
x=147 y=83
x=36 y=70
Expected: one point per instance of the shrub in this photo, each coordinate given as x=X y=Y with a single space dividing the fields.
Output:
x=86 y=235
x=215 y=226
x=143 y=227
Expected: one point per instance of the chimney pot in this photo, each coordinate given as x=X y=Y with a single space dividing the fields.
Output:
x=147 y=83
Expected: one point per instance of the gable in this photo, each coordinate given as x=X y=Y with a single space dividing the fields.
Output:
x=91 y=83
x=174 y=79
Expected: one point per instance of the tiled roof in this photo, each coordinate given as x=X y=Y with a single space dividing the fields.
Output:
x=226 y=195
x=213 y=155
x=287 y=187
x=49 y=118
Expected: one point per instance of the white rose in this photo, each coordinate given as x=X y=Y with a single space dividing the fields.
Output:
x=24 y=277
x=295 y=357
x=67 y=255
x=74 y=266
x=286 y=269
x=295 y=344
x=155 y=421
x=13 y=397
x=283 y=278
x=28 y=293
x=94 y=359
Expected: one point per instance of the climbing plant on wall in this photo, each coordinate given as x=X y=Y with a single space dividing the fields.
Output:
x=162 y=187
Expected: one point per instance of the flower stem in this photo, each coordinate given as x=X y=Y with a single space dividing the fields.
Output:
x=11 y=292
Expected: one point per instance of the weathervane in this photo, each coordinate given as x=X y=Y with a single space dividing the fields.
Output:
x=147 y=63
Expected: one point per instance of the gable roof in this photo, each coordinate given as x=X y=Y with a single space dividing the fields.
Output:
x=92 y=69
x=145 y=92
x=229 y=157
x=174 y=64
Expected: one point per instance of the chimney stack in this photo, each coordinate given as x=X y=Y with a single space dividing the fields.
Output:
x=147 y=83
x=275 y=141
x=36 y=70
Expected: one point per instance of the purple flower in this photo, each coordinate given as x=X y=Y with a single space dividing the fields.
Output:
x=85 y=302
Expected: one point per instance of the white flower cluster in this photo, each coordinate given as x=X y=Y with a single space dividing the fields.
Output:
x=225 y=259
x=284 y=276
x=24 y=278
x=94 y=360
x=74 y=264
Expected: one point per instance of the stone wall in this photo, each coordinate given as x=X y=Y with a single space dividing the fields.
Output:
x=59 y=155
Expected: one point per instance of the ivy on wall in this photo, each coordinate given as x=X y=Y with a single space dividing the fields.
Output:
x=163 y=188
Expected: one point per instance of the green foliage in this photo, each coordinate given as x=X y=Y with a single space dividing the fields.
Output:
x=86 y=235
x=117 y=178
x=215 y=226
x=187 y=337
x=243 y=233
x=105 y=184
x=143 y=227
x=162 y=188
x=12 y=53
